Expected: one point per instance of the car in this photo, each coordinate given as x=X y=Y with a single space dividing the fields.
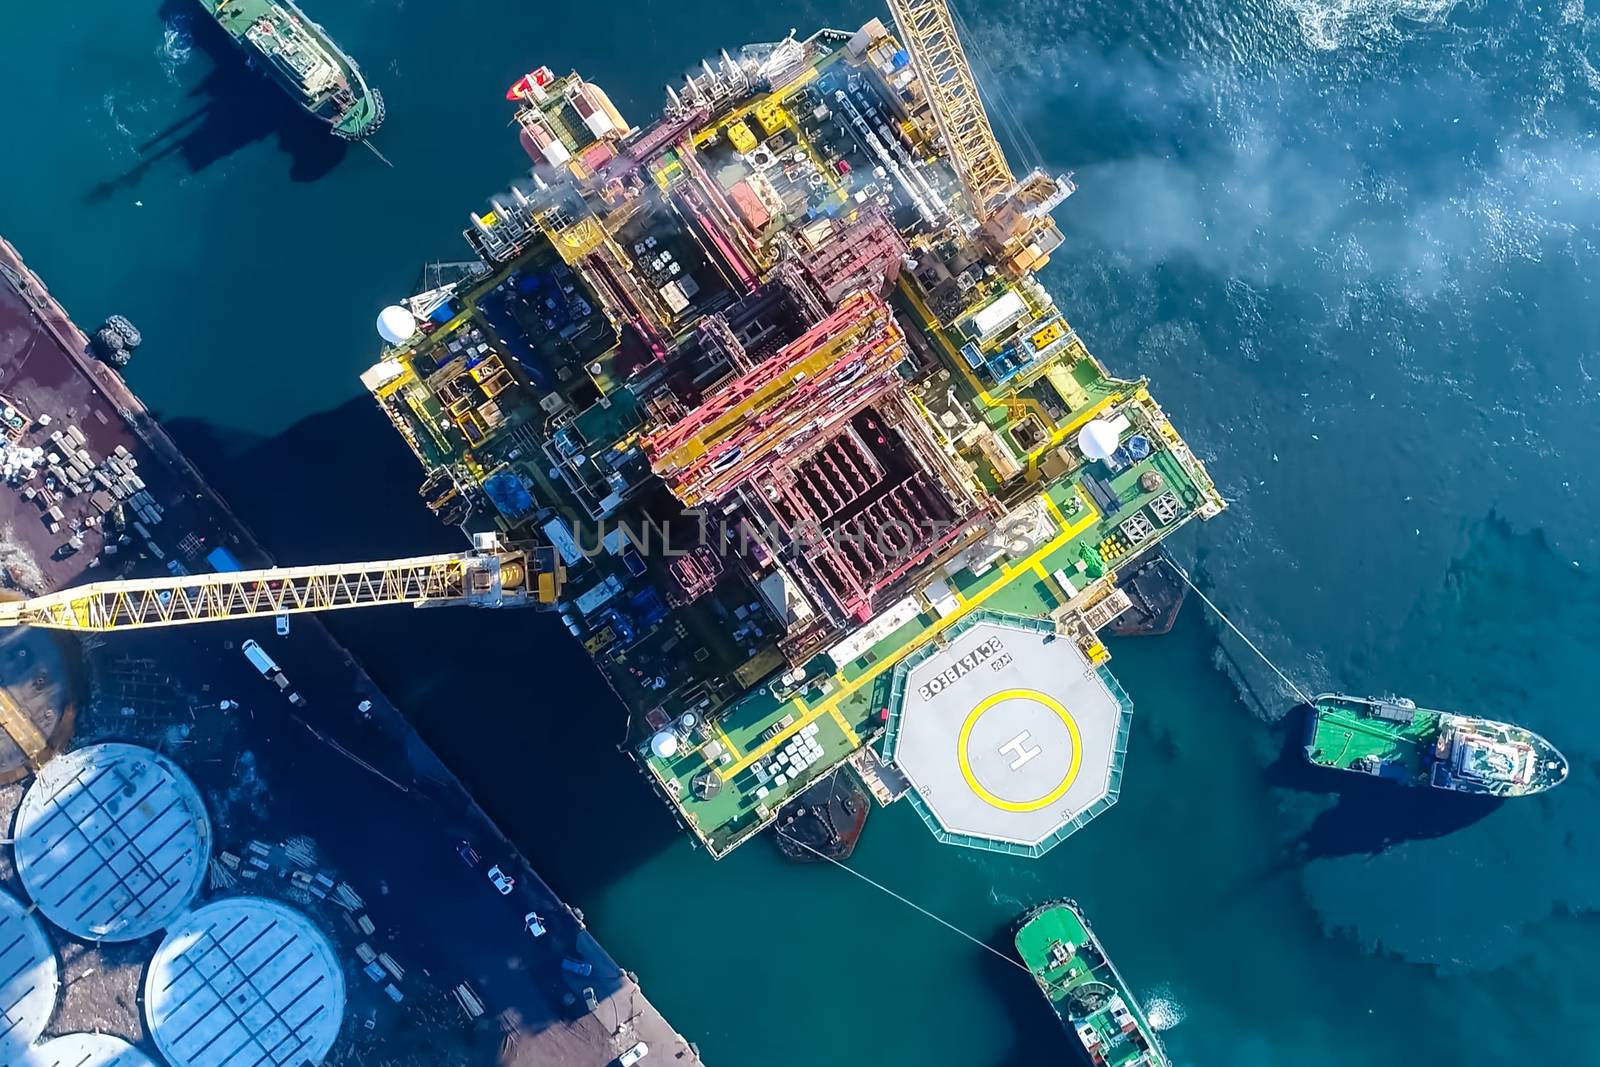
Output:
x=633 y=1055
x=468 y=854
x=502 y=881
x=365 y=707
x=282 y=625
x=533 y=924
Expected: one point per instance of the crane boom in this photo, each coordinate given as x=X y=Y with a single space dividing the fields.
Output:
x=491 y=577
x=928 y=31
x=1014 y=215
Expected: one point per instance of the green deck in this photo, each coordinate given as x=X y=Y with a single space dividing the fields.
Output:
x=1342 y=735
x=1125 y=1044
x=850 y=701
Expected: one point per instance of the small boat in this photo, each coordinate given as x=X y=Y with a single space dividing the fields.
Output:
x=305 y=62
x=1393 y=739
x=531 y=84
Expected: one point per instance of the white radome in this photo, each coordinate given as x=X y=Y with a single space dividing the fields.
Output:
x=664 y=744
x=1097 y=439
x=396 y=325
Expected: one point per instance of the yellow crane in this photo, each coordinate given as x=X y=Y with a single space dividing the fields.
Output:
x=1015 y=215
x=487 y=576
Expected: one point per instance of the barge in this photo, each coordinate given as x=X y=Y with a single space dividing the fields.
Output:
x=776 y=376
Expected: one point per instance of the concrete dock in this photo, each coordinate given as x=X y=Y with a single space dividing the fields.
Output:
x=336 y=807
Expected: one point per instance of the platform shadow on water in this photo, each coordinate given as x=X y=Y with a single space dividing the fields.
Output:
x=507 y=700
x=233 y=106
x=1370 y=815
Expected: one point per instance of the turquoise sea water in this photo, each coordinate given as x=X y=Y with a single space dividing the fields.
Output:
x=1353 y=243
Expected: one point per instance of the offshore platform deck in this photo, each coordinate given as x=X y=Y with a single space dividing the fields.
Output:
x=775 y=377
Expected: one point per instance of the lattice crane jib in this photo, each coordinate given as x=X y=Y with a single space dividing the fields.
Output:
x=928 y=31
x=1015 y=216
x=498 y=578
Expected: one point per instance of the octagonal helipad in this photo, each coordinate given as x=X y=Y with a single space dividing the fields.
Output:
x=1011 y=739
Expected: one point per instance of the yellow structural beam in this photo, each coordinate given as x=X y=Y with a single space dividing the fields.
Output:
x=489 y=579
x=928 y=31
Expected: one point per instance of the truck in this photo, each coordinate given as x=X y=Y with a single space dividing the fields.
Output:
x=269 y=669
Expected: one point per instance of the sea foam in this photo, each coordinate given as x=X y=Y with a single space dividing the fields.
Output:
x=1329 y=24
x=1163 y=1009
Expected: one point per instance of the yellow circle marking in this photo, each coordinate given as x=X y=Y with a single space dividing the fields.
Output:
x=1019 y=805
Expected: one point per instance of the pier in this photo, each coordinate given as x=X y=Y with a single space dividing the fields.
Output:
x=320 y=791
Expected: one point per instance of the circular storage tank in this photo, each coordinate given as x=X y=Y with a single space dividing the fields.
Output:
x=247 y=975
x=29 y=978
x=85 y=1050
x=112 y=842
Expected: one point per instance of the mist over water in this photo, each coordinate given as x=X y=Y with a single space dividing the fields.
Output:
x=1354 y=247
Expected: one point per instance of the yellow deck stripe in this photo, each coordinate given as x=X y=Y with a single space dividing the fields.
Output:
x=849 y=734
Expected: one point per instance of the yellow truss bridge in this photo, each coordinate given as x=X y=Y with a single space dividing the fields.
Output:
x=488 y=576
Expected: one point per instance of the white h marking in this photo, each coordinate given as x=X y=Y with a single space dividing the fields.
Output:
x=1019 y=750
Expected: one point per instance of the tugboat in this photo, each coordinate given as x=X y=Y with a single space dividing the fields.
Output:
x=1393 y=739
x=1088 y=995
x=825 y=821
x=299 y=55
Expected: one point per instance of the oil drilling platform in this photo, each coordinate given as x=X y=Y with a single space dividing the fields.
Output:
x=767 y=400
x=830 y=476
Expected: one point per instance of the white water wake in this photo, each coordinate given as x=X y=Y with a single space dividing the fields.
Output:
x=1163 y=1009
x=177 y=44
x=1330 y=24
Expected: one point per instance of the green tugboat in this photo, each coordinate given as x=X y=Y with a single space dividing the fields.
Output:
x=300 y=56
x=1085 y=990
x=1393 y=739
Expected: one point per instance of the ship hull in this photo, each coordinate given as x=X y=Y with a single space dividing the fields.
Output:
x=1090 y=998
x=1396 y=741
x=350 y=108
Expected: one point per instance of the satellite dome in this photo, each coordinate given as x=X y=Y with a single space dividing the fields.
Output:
x=396 y=325
x=664 y=744
x=1098 y=439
